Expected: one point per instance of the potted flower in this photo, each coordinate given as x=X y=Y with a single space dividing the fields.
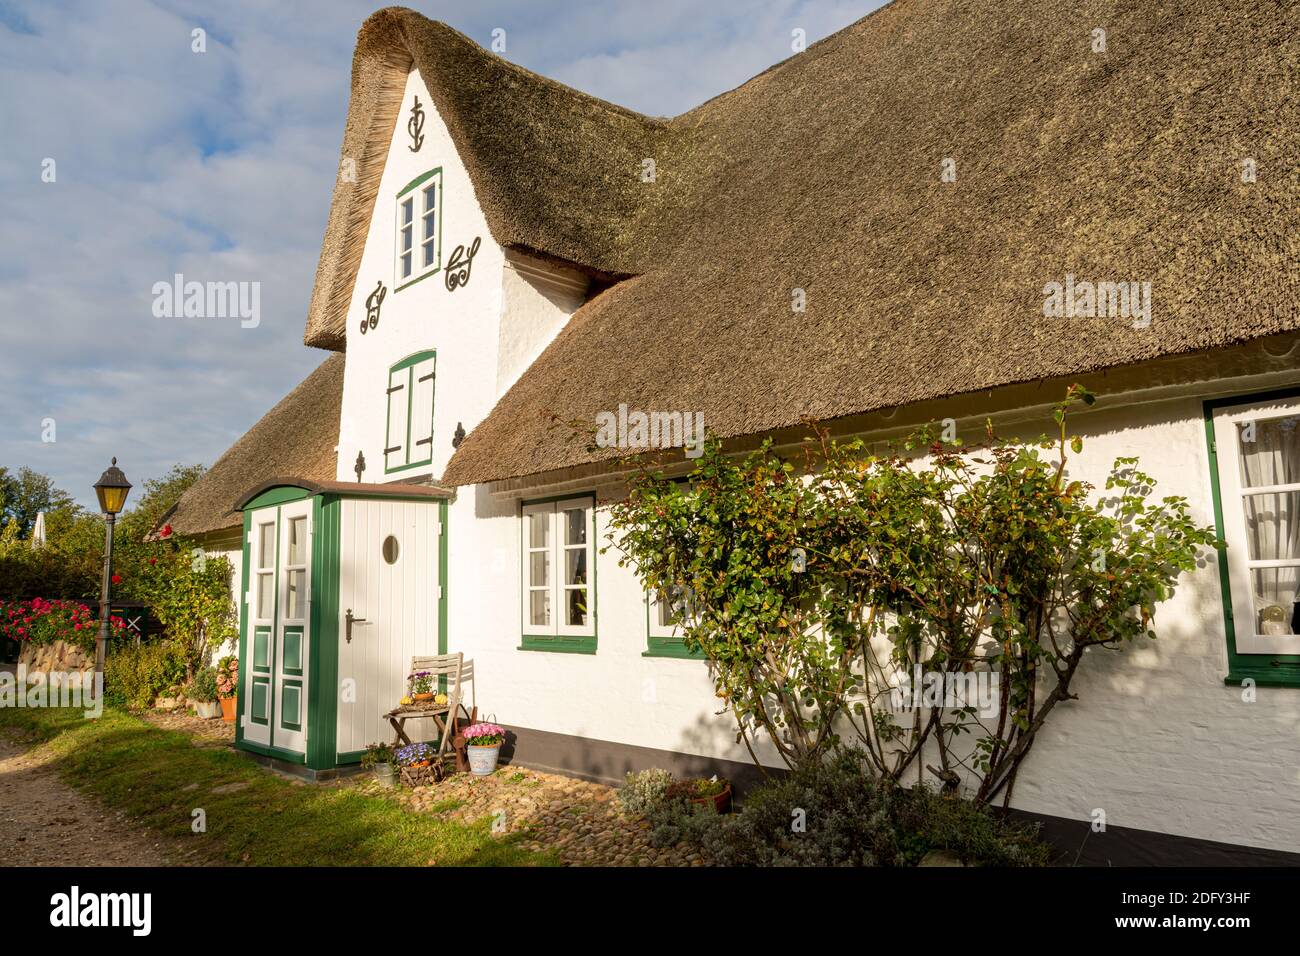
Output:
x=421 y=685
x=379 y=758
x=203 y=693
x=713 y=792
x=228 y=686
x=483 y=742
x=418 y=763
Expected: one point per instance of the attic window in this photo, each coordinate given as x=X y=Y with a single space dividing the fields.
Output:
x=419 y=229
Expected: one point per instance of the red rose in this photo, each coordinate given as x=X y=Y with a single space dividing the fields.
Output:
x=166 y=531
x=117 y=579
x=153 y=561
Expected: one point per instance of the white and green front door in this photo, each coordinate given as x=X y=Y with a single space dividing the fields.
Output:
x=278 y=615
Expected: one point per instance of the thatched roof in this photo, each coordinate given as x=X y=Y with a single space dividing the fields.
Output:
x=824 y=173
x=297 y=438
x=556 y=171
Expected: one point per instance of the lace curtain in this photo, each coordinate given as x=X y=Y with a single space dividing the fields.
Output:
x=1273 y=519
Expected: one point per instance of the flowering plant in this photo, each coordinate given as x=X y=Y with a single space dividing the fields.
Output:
x=415 y=755
x=421 y=682
x=484 y=735
x=39 y=621
x=227 y=677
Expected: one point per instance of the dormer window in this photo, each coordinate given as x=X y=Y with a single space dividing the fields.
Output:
x=419 y=229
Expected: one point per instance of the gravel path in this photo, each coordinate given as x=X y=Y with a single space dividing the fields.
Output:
x=45 y=822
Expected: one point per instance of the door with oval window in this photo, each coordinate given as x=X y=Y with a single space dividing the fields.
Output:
x=278 y=607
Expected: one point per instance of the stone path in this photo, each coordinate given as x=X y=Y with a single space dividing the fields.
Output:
x=580 y=821
x=45 y=822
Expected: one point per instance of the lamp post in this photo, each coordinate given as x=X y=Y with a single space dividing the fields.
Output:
x=111 y=489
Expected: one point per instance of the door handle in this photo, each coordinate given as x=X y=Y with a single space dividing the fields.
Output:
x=350 y=621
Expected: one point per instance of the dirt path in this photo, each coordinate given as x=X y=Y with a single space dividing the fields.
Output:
x=45 y=822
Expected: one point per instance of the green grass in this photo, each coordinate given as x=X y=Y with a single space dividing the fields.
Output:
x=160 y=777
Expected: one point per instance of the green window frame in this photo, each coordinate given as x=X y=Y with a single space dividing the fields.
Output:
x=1245 y=659
x=664 y=640
x=409 y=403
x=557 y=573
x=417 y=230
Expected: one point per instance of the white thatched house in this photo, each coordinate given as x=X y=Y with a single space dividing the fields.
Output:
x=862 y=234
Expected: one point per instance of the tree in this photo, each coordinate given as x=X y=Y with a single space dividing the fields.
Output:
x=30 y=493
x=819 y=589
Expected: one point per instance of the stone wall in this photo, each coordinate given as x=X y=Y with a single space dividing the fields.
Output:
x=57 y=656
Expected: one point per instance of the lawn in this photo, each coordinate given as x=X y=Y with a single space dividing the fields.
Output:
x=159 y=778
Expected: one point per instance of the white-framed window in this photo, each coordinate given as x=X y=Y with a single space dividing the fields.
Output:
x=408 y=435
x=419 y=229
x=558 y=573
x=264 y=569
x=668 y=609
x=1256 y=447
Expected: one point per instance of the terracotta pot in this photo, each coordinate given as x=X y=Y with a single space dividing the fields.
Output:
x=228 y=707
x=720 y=802
x=428 y=696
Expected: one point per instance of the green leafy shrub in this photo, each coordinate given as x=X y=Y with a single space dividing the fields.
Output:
x=644 y=790
x=836 y=813
x=203 y=687
x=141 y=674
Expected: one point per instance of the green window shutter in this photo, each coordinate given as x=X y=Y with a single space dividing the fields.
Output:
x=395 y=440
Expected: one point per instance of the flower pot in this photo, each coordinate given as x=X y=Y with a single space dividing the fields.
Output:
x=428 y=696
x=720 y=802
x=386 y=775
x=228 y=707
x=207 y=709
x=483 y=760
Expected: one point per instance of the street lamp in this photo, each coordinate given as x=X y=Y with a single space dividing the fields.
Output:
x=111 y=489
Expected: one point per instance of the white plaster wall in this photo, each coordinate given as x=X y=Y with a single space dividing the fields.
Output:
x=461 y=325
x=1155 y=739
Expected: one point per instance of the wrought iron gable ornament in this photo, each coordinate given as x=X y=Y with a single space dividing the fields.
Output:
x=459 y=265
x=360 y=466
x=459 y=437
x=373 y=302
x=415 y=126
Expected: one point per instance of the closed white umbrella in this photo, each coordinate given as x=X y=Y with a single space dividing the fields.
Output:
x=38 y=530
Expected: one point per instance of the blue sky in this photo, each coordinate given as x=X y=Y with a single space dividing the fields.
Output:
x=220 y=166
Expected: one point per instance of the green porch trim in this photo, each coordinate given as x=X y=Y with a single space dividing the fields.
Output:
x=240 y=702
x=279 y=495
x=350 y=756
x=1266 y=670
x=323 y=661
x=286 y=755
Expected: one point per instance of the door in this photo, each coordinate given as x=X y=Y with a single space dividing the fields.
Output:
x=278 y=605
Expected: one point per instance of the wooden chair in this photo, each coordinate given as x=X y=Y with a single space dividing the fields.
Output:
x=453 y=671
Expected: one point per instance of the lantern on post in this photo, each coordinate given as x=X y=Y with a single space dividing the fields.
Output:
x=111 y=490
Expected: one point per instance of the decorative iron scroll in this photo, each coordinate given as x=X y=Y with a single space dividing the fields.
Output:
x=373 y=302
x=415 y=126
x=459 y=265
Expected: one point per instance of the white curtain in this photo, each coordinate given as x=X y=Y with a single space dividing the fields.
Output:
x=1272 y=520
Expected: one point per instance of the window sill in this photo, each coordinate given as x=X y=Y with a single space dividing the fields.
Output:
x=586 y=646
x=1266 y=676
x=681 y=654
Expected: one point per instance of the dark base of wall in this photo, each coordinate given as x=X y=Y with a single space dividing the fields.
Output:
x=606 y=762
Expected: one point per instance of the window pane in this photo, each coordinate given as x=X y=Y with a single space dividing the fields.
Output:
x=539 y=529
x=1275 y=600
x=575 y=606
x=575 y=566
x=264 y=591
x=428 y=225
x=539 y=568
x=406 y=238
x=575 y=526
x=539 y=603
x=265 y=545
x=408 y=210
x=297 y=541
x=673 y=604
x=296 y=602
x=430 y=197
x=406 y=265
x=1270 y=452
x=428 y=253
x=1273 y=526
